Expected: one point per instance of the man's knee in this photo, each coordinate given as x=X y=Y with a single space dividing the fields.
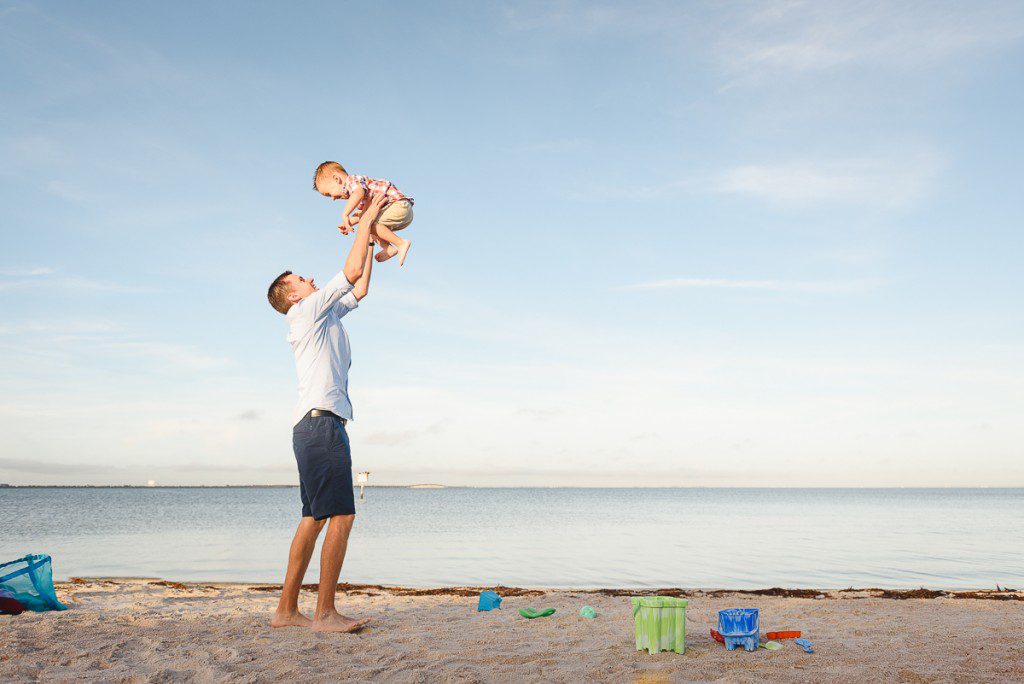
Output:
x=344 y=520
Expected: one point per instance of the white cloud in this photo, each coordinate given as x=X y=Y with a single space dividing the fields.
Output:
x=770 y=285
x=883 y=182
x=25 y=272
x=46 y=467
x=571 y=418
x=891 y=181
x=749 y=38
x=92 y=284
x=61 y=49
x=397 y=437
x=817 y=36
x=62 y=328
x=82 y=343
x=40 y=278
x=570 y=17
x=176 y=356
x=71 y=193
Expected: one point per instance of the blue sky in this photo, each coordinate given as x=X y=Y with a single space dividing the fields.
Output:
x=710 y=244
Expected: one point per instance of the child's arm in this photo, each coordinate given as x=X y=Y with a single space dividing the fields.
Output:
x=354 y=198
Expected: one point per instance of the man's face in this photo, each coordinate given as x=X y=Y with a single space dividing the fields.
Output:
x=301 y=287
x=330 y=186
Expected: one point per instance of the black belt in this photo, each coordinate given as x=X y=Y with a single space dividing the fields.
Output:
x=321 y=413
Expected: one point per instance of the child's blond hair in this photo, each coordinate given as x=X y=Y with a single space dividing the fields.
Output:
x=325 y=168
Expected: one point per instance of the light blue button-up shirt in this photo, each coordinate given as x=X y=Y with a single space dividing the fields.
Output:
x=322 y=352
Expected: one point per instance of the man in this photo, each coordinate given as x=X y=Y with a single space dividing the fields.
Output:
x=322 y=358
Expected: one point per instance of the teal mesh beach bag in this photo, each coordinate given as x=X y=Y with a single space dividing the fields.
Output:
x=30 y=581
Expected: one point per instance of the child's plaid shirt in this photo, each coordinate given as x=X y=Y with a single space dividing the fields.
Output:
x=372 y=185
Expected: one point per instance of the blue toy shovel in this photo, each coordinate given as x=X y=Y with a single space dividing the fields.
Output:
x=805 y=644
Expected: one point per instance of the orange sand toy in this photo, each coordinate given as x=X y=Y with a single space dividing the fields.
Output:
x=792 y=634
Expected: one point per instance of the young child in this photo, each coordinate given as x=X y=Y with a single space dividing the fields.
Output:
x=331 y=180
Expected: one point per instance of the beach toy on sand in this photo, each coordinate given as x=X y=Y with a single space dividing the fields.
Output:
x=805 y=644
x=588 y=612
x=740 y=627
x=771 y=645
x=789 y=634
x=531 y=614
x=660 y=623
x=489 y=600
x=29 y=581
x=717 y=636
x=10 y=605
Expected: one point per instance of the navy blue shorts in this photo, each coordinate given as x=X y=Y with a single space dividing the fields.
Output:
x=325 y=467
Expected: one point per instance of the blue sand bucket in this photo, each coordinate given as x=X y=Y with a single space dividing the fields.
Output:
x=740 y=627
x=489 y=600
x=30 y=581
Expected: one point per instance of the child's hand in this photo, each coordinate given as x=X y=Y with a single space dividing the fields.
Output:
x=350 y=221
x=377 y=201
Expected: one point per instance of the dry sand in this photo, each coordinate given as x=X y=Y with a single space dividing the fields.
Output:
x=139 y=630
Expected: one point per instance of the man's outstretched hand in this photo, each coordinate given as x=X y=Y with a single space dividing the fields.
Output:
x=377 y=201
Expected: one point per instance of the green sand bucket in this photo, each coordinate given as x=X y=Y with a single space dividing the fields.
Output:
x=660 y=623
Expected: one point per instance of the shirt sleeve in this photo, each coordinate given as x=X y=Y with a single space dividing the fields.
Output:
x=355 y=181
x=346 y=303
x=321 y=301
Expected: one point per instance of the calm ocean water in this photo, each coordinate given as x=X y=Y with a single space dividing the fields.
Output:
x=735 y=538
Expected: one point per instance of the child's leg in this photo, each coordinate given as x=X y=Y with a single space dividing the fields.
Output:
x=396 y=245
x=398 y=217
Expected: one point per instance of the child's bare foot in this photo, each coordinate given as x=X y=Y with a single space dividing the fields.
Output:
x=337 y=623
x=290 y=620
x=403 y=250
x=386 y=253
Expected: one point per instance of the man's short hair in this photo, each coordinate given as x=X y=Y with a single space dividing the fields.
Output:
x=278 y=293
x=326 y=168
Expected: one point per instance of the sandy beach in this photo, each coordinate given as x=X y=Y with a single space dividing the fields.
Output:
x=150 y=630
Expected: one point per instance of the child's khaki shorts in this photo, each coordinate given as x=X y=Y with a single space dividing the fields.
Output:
x=396 y=216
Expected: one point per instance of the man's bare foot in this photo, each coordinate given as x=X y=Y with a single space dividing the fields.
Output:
x=403 y=250
x=385 y=254
x=290 y=620
x=335 y=622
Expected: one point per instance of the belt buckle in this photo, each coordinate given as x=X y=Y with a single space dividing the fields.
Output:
x=323 y=413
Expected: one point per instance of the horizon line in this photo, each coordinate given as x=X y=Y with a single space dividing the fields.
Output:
x=5 y=485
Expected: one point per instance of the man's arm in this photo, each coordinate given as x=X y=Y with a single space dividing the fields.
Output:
x=362 y=286
x=321 y=301
x=356 y=260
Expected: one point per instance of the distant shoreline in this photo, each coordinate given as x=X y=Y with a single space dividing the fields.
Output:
x=272 y=486
x=434 y=486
